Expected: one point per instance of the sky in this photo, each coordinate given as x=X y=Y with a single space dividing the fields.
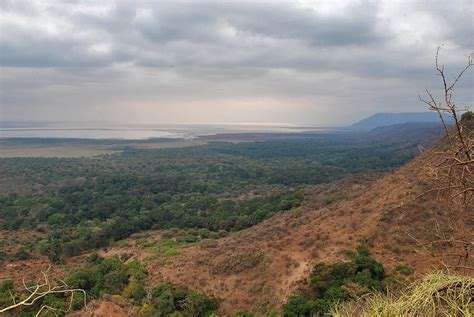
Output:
x=292 y=62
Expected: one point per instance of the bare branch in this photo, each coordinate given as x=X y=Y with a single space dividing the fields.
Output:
x=40 y=290
x=453 y=173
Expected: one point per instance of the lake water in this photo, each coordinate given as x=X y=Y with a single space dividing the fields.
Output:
x=135 y=131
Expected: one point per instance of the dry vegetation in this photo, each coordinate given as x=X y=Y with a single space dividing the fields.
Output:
x=453 y=172
x=321 y=230
x=438 y=294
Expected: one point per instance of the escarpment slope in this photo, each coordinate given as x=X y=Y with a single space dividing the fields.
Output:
x=398 y=216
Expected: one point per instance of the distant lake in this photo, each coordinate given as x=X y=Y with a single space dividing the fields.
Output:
x=136 y=131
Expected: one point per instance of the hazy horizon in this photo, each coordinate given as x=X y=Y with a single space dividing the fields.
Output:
x=138 y=131
x=295 y=63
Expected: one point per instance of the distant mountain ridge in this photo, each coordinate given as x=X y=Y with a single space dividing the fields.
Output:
x=387 y=119
x=423 y=133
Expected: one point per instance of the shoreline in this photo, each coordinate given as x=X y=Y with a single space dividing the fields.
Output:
x=81 y=147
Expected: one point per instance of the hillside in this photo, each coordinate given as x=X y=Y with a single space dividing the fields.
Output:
x=422 y=133
x=388 y=119
x=258 y=268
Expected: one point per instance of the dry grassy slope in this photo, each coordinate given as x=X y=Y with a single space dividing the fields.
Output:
x=261 y=266
x=107 y=306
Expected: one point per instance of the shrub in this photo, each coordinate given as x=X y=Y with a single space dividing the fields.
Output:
x=338 y=282
x=187 y=238
x=6 y=285
x=169 y=300
x=467 y=116
x=43 y=247
x=299 y=306
x=109 y=276
x=405 y=270
x=6 y=292
x=135 y=269
x=134 y=290
x=22 y=254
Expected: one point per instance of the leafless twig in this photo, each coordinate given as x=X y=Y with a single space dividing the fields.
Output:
x=44 y=286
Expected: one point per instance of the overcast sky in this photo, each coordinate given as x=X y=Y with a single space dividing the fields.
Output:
x=299 y=62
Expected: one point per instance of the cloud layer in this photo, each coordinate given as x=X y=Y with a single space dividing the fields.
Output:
x=308 y=62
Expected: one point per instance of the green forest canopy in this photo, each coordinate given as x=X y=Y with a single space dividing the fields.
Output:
x=85 y=203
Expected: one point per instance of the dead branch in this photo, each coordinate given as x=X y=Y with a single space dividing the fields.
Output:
x=459 y=158
x=44 y=287
x=454 y=171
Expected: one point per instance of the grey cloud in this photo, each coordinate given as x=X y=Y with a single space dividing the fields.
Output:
x=200 y=22
x=455 y=20
x=125 y=52
x=197 y=24
x=353 y=26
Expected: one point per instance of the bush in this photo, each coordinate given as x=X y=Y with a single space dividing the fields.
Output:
x=6 y=285
x=134 y=290
x=43 y=247
x=22 y=254
x=6 y=288
x=169 y=300
x=187 y=238
x=467 y=116
x=136 y=270
x=404 y=269
x=338 y=282
x=299 y=306
x=109 y=276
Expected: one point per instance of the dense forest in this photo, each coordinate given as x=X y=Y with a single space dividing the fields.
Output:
x=87 y=203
